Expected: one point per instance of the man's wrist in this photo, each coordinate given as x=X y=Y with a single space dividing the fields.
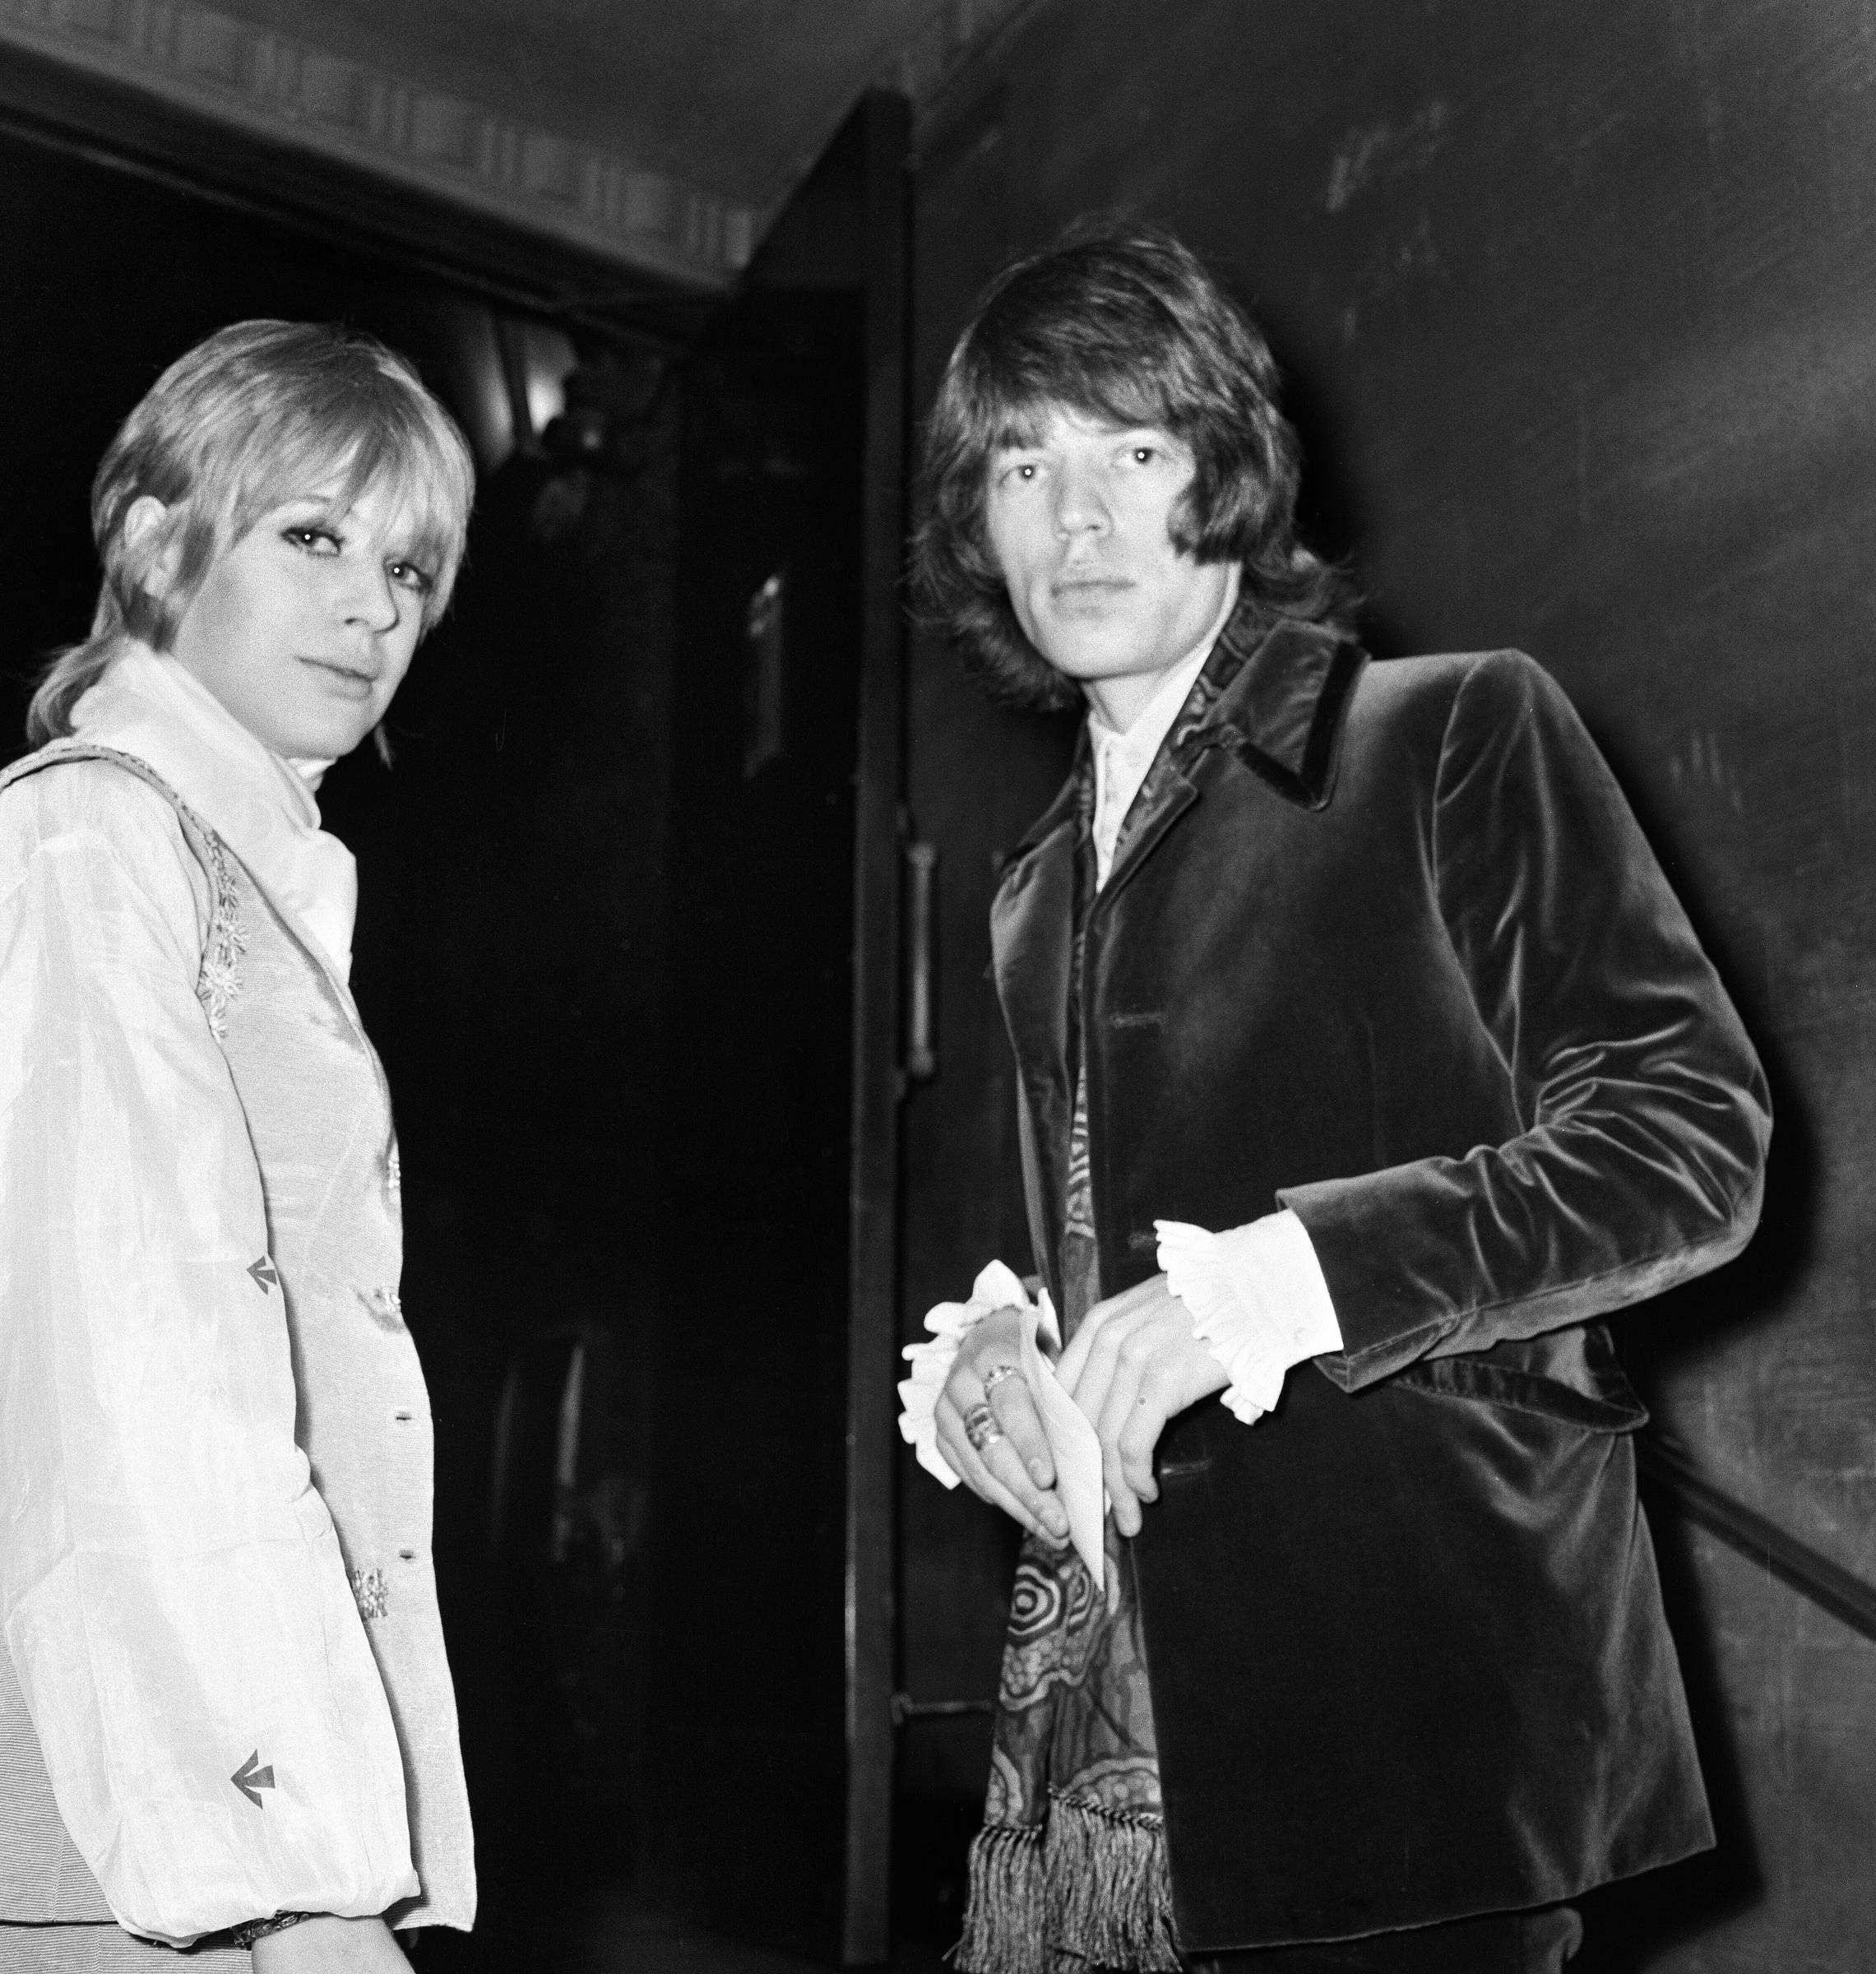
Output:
x=1273 y=1268
x=1257 y=1299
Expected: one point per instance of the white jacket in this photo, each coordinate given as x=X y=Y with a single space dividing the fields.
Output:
x=214 y=1581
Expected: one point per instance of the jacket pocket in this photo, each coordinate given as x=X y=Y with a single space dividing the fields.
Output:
x=1611 y=1408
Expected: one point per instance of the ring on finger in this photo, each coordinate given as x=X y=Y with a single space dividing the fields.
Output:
x=997 y=1374
x=980 y=1428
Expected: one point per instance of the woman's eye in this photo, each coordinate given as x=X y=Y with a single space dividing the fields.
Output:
x=1142 y=454
x=412 y=577
x=319 y=541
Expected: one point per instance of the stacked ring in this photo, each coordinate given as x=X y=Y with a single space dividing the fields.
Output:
x=980 y=1428
x=997 y=1374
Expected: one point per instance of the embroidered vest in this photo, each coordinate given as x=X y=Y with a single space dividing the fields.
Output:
x=318 y=1113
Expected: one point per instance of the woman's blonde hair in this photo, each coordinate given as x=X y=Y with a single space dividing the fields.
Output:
x=252 y=417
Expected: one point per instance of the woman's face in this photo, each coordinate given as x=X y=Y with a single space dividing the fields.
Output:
x=305 y=627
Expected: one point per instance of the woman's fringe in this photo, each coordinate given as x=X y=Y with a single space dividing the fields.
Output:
x=1091 y=1887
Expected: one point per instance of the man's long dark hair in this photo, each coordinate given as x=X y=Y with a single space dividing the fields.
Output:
x=1122 y=323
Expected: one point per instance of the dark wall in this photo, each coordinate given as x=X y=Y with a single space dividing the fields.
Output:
x=1574 y=302
x=509 y=964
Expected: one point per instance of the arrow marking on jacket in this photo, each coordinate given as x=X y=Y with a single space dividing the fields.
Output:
x=266 y=1276
x=250 y=1779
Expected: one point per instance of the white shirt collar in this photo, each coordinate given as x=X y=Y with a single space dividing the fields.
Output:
x=1122 y=760
x=147 y=704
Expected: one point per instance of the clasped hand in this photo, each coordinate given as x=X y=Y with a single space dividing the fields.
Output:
x=1133 y=1363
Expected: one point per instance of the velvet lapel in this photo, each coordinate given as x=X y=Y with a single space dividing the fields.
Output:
x=1274 y=704
x=1032 y=929
x=1280 y=705
x=1032 y=938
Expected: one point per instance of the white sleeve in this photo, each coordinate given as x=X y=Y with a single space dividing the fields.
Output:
x=1258 y=1299
x=171 y=1586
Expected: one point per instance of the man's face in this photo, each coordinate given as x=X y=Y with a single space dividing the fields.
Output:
x=1080 y=523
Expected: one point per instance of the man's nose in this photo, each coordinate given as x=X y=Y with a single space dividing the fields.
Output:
x=1081 y=504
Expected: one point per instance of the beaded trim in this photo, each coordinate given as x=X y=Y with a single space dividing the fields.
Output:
x=372 y=1589
x=220 y=979
x=259 y=1929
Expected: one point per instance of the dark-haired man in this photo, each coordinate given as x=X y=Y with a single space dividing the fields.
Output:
x=1366 y=1061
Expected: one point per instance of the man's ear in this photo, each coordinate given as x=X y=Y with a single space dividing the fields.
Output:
x=142 y=528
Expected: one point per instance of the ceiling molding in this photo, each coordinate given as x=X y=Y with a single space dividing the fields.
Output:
x=288 y=90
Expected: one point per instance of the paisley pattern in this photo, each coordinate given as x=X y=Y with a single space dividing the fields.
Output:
x=1073 y=1711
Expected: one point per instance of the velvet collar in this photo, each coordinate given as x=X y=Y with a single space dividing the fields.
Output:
x=1278 y=712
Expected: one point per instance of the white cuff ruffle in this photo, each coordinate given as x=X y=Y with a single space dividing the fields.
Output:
x=1259 y=1302
x=997 y=1288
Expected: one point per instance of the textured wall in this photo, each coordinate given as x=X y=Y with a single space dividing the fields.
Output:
x=1576 y=304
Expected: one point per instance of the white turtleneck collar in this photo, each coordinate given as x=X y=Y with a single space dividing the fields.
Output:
x=260 y=804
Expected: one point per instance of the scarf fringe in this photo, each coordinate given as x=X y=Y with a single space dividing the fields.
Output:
x=1090 y=1886
x=1110 y=1897
x=1003 y=1913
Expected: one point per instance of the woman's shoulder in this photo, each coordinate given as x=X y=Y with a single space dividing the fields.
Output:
x=91 y=810
x=48 y=795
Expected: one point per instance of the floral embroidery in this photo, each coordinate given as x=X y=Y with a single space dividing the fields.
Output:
x=372 y=1591
x=220 y=979
x=389 y=1305
x=393 y=1174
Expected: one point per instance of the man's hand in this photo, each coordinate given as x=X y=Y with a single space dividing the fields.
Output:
x=327 y=1945
x=1134 y=1365
x=1010 y=1465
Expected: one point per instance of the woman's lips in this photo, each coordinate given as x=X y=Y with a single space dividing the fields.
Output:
x=344 y=678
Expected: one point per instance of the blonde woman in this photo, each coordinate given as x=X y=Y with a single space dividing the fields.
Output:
x=225 y=1713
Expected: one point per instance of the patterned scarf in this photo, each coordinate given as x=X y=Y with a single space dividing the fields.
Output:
x=1069 y=1870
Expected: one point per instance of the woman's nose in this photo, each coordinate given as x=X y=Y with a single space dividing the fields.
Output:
x=373 y=600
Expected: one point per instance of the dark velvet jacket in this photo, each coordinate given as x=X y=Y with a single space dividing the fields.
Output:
x=1389 y=949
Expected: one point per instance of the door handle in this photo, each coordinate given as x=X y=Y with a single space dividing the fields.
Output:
x=921 y=910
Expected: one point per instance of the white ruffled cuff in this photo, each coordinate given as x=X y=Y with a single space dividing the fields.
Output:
x=997 y=1288
x=1257 y=1299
